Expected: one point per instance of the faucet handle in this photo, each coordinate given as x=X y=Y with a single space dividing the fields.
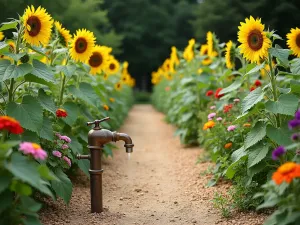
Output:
x=97 y=122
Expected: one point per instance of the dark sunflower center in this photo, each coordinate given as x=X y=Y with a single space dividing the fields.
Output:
x=35 y=25
x=96 y=60
x=80 y=45
x=255 y=40
x=119 y=85
x=298 y=40
x=112 y=66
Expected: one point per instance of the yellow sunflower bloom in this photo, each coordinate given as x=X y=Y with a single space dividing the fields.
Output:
x=82 y=45
x=38 y=24
x=1 y=36
x=63 y=34
x=230 y=55
x=118 y=86
x=210 y=43
x=188 y=53
x=254 y=42
x=98 y=60
x=111 y=99
x=12 y=46
x=293 y=41
x=113 y=66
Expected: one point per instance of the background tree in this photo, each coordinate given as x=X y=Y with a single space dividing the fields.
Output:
x=223 y=17
x=150 y=28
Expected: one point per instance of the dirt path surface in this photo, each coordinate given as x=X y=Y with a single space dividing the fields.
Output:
x=159 y=185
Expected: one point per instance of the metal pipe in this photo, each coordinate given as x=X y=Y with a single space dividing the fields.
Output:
x=96 y=179
x=126 y=138
x=97 y=138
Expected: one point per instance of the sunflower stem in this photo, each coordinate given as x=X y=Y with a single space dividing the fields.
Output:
x=62 y=88
x=12 y=81
x=274 y=87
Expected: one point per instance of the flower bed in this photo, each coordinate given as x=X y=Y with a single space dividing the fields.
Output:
x=239 y=101
x=51 y=84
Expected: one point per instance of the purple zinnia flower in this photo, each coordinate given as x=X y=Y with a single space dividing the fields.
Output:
x=67 y=160
x=297 y=115
x=231 y=128
x=211 y=115
x=278 y=152
x=294 y=123
x=295 y=137
x=57 y=154
x=219 y=118
x=64 y=146
x=65 y=138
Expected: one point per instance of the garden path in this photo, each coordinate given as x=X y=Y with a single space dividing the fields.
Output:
x=159 y=185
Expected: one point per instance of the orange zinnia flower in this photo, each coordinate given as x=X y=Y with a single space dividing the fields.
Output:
x=247 y=125
x=228 y=145
x=209 y=124
x=286 y=172
x=105 y=107
x=10 y=124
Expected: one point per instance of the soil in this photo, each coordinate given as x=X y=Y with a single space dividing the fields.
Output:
x=160 y=184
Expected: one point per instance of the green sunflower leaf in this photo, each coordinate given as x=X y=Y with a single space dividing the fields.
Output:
x=252 y=99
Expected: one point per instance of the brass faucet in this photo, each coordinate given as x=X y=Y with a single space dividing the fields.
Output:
x=97 y=138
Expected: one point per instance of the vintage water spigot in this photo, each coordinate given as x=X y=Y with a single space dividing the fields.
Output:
x=97 y=138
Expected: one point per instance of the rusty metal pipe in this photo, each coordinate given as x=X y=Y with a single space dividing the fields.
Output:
x=97 y=138
x=126 y=138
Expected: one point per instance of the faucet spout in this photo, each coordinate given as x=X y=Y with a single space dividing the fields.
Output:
x=126 y=138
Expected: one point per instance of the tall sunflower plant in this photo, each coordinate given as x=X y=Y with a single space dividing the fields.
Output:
x=52 y=83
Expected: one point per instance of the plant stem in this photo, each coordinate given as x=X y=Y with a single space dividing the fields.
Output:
x=274 y=88
x=11 y=90
x=62 y=88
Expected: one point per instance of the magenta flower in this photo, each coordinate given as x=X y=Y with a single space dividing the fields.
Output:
x=67 y=160
x=65 y=138
x=211 y=115
x=33 y=149
x=278 y=152
x=57 y=154
x=219 y=119
x=231 y=128
x=64 y=146
x=212 y=107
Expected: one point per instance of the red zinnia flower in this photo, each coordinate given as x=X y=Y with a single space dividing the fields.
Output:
x=217 y=95
x=257 y=83
x=61 y=113
x=209 y=93
x=252 y=88
x=10 y=124
x=227 y=108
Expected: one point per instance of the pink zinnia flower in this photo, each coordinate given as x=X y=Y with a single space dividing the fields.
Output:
x=219 y=118
x=58 y=135
x=236 y=100
x=67 y=160
x=212 y=107
x=65 y=138
x=33 y=149
x=211 y=115
x=231 y=128
x=64 y=146
x=57 y=154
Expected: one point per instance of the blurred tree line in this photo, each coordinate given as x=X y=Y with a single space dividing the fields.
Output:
x=143 y=31
x=224 y=17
